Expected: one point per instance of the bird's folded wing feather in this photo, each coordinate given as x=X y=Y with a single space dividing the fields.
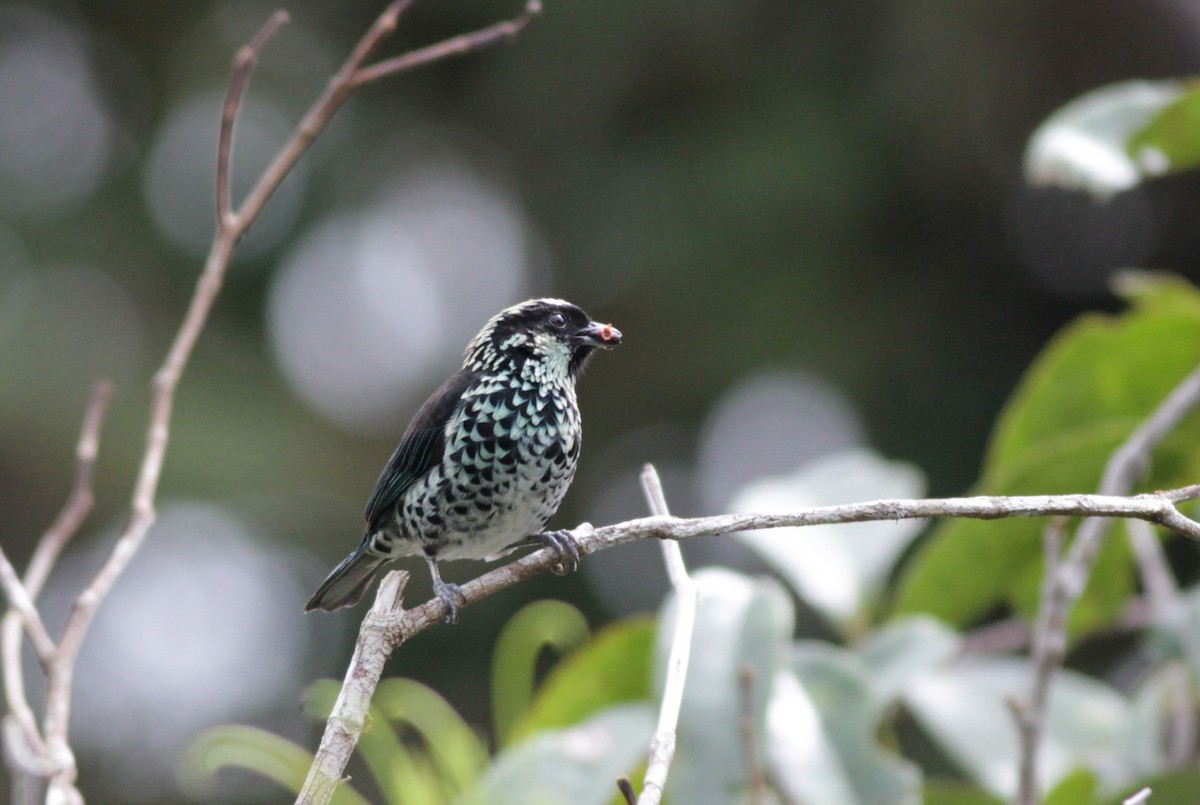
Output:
x=420 y=449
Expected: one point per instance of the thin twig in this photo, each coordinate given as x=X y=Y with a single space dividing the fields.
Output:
x=1029 y=715
x=1155 y=571
x=1140 y=798
x=1166 y=605
x=79 y=502
x=337 y=90
x=456 y=46
x=755 y=783
x=662 y=746
x=52 y=744
x=243 y=65
x=231 y=225
x=1151 y=508
x=61 y=672
x=349 y=77
x=19 y=599
x=401 y=626
x=1127 y=464
x=30 y=755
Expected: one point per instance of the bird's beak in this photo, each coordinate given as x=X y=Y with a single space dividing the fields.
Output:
x=599 y=335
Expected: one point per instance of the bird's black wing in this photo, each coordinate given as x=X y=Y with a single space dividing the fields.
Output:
x=420 y=449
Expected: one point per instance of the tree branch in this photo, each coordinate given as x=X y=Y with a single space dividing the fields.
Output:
x=662 y=746
x=243 y=65
x=29 y=756
x=377 y=637
x=457 y=46
x=52 y=744
x=390 y=625
x=60 y=674
x=1065 y=582
x=20 y=600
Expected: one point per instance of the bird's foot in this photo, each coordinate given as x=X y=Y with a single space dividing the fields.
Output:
x=452 y=596
x=568 y=550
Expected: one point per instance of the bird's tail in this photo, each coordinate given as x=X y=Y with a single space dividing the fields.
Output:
x=348 y=581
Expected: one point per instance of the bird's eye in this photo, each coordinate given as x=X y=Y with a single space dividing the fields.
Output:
x=557 y=320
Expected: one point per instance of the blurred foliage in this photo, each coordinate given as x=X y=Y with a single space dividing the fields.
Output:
x=1118 y=136
x=420 y=752
x=1095 y=382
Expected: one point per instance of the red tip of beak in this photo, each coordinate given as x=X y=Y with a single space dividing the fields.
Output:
x=606 y=332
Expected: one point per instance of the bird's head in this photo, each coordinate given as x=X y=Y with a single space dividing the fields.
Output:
x=556 y=336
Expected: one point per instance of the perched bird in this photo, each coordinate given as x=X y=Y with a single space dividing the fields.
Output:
x=487 y=459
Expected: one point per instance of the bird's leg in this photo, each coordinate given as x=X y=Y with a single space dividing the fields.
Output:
x=451 y=594
x=568 y=550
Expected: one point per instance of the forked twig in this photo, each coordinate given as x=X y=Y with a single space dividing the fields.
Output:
x=1067 y=578
x=50 y=745
x=22 y=737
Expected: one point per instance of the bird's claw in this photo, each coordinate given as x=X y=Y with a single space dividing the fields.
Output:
x=563 y=542
x=452 y=596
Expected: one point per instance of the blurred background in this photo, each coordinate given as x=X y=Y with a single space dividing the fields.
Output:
x=808 y=219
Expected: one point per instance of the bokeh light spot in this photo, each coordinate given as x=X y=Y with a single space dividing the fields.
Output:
x=56 y=136
x=180 y=181
x=203 y=628
x=768 y=425
x=366 y=308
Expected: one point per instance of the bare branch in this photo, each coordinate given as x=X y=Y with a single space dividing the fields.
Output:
x=1049 y=640
x=243 y=66
x=51 y=746
x=20 y=600
x=1151 y=507
x=79 y=502
x=662 y=746
x=316 y=118
x=377 y=638
x=1066 y=582
x=22 y=738
x=457 y=46
x=1139 y=798
x=755 y=782
x=231 y=226
x=348 y=78
x=398 y=626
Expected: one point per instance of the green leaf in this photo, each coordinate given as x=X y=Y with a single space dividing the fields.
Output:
x=574 y=766
x=743 y=626
x=947 y=792
x=1171 y=788
x=1170 y=141
x=449 y=758
x=611 y=668
x=1095 y=382
x=1078 y=788
x=458 y=754
x=1112 y=138
x=514 y=662
x=1101 y=369
x=252 y=749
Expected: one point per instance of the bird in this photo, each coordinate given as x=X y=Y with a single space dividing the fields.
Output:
x=486 y=461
